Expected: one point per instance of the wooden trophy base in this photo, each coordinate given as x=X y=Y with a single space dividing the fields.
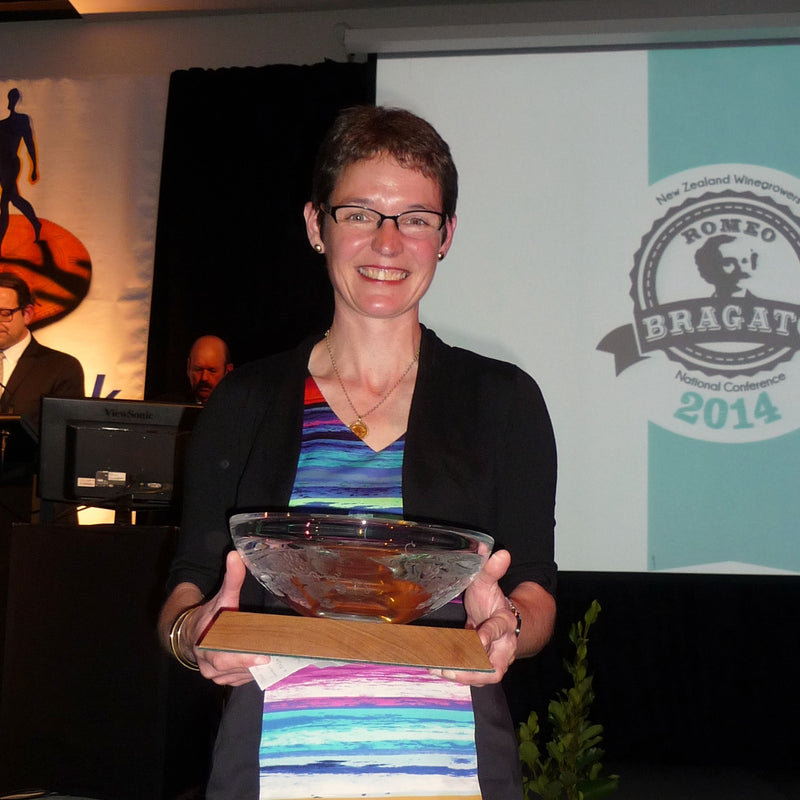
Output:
x=346 y=640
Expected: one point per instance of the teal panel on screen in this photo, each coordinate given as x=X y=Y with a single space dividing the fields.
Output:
x=707 y=502
x=723 y=105
x=710 y=503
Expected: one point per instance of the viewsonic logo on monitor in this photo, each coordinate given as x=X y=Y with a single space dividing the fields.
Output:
x=128 y=413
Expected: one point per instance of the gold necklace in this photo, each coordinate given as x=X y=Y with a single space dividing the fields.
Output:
x=358 y=426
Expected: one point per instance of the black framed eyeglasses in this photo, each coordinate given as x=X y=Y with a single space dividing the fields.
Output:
x=414 y=224
x=7 y=313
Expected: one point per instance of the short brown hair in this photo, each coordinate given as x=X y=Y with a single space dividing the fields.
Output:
x=361 y=132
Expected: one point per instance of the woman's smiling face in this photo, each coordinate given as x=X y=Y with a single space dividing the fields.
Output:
x=381 y=272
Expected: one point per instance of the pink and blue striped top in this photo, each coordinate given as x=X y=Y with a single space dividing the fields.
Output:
x=361 y=730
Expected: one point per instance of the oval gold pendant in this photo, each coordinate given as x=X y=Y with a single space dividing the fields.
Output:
x=359 y=429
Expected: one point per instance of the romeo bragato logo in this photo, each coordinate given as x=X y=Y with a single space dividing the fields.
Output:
x=715 y=287
x=691 y=287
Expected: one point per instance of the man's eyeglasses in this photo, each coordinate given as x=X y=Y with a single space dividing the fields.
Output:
x=7 y=313
x=414 y=224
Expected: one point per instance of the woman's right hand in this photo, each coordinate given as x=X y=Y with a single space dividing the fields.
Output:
x=229 y=669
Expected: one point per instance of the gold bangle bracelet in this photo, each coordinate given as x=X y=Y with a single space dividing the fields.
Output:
x=175 y=643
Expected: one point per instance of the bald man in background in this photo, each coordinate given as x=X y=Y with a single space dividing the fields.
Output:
x=208 y=363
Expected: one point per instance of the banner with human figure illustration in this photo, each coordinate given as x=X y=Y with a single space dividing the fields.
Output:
x=80 y=164
x=629 y=232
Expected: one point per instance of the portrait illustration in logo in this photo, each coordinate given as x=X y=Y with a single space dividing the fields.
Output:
x=725 y=261
x=716 y=287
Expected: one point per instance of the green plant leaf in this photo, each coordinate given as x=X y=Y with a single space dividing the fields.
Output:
x=590 y=732
x=555 y=750
x=529 y=753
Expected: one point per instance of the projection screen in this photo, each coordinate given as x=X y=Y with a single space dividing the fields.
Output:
x=629 y=233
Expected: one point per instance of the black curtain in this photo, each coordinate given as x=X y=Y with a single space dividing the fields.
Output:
x=231 y=255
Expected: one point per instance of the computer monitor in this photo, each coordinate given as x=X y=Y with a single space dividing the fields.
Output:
x=119 y=454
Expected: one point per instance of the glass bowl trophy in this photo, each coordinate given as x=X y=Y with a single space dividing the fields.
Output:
x=347 y=574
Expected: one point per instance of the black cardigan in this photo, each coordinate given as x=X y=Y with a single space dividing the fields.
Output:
x=479 y=453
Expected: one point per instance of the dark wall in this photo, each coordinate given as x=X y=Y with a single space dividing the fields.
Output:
x=689 y=669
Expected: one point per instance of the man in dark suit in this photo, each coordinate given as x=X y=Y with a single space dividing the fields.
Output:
x=28 y=371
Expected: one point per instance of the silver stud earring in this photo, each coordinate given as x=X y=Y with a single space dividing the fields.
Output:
x=440 y=256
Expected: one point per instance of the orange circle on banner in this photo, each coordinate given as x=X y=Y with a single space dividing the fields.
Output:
x=57 y=267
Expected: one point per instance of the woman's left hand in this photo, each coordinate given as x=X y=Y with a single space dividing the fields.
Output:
x=489 y=614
